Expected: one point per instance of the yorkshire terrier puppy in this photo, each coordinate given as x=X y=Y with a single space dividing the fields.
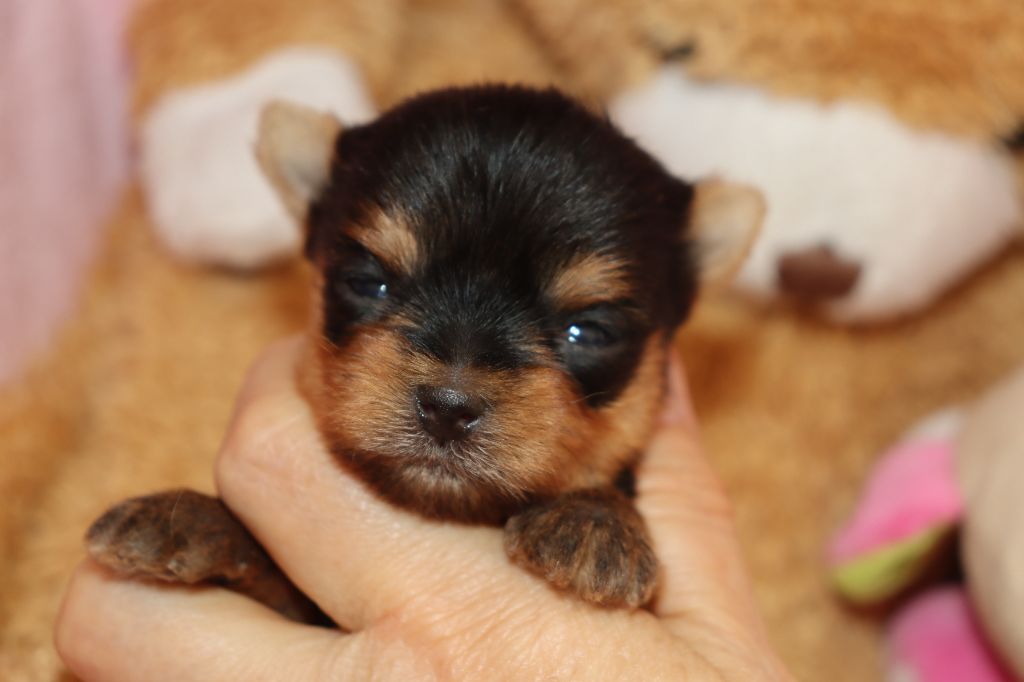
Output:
x=499 y=277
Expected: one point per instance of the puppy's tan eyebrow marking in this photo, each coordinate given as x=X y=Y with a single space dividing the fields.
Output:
x=389 y=238
x=590 y=279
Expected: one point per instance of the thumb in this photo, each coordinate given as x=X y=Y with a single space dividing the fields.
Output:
x=704 y=582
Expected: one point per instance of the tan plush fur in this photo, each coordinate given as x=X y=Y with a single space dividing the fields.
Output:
x=910 y=55
x=179 y=43
x=136 y=394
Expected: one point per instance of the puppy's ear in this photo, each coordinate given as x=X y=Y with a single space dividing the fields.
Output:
x=294 y=147
x=725 y=219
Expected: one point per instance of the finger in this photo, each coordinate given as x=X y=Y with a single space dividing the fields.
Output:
x=357 y=556
x=704 y=580
x=114 y=629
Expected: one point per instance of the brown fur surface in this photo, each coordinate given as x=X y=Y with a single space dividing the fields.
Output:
x=136 y=394
x=167 y=32
x=181 y=536
x=541 y=440
x=588 y=279
x=391 y=241
x=908 y=55
x=592 y=542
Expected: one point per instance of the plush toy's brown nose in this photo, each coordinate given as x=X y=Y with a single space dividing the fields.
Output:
x=816 y=274
x=447 y=414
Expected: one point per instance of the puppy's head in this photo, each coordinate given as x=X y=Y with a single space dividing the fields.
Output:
x=499 y=275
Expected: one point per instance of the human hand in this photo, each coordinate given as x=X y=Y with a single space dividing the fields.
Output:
x=420 y=599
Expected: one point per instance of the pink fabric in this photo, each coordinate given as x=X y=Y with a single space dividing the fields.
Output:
x=937 y=638
x=63 y=157
x=912 y=488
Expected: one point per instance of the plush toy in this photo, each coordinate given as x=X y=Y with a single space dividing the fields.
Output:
x=877 y=149
x=875 y=129
x=960 y=471
x=207 y=199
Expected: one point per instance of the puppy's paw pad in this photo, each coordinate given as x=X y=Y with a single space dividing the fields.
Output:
x=597 y=550
x=179 y=536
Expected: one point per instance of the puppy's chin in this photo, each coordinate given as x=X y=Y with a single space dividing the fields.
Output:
x=438 y=482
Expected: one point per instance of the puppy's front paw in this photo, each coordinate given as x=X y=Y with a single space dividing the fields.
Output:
x=589 y=542
x=179 y=536
x=182 y=536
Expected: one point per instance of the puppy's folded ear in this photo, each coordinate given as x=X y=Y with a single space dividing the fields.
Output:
x=295 y=147
x=725 y=219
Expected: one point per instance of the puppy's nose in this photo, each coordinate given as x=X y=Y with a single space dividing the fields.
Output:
x=447 y=414
x=817 y=274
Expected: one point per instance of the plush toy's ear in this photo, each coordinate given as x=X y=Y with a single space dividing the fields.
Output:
x=295 y=146
x=724 y=221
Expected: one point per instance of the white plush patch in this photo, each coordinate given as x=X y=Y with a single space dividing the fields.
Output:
x=209 y=201
x=918 y=210
x=944 y=425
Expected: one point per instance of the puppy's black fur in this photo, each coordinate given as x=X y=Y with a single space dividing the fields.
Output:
x=502 y=188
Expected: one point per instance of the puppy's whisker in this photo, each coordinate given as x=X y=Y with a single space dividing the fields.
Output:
x=174 y=509
x=589 y=397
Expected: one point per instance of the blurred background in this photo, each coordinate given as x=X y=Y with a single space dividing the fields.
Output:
x=144 y=264
x=64 y=144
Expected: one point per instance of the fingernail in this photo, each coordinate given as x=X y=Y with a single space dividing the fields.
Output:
x=674 y=410
x=677 y=409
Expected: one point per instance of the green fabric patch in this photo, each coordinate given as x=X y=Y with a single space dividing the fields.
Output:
x=884 y=573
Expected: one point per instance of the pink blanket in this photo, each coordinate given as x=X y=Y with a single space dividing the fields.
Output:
x=63 y=157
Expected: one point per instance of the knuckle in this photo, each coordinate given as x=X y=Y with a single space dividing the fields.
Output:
x=238 y=440
x=266 y=440
x=264 y=402
x=246 y=445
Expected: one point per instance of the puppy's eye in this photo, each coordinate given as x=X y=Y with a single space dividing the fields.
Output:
x=588 y=335
x=367 y=287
